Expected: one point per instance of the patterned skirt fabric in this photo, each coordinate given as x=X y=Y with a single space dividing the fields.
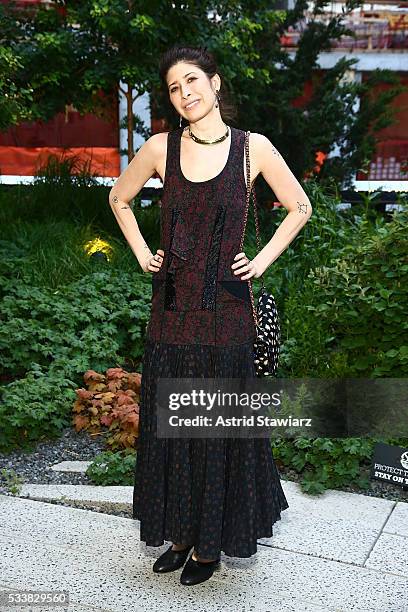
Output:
x=218 y=494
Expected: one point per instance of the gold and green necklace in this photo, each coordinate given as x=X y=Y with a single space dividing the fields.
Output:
x=207 y=142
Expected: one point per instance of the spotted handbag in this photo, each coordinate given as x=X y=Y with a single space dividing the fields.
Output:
x=266 y=318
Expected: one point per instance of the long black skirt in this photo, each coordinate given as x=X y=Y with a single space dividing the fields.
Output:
x=218 y=494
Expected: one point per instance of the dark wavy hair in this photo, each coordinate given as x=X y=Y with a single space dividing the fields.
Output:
x=202 y=58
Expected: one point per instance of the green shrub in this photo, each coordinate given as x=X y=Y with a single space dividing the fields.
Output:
x=350 y=317
x=320 y=241
x=64 y=188
x=48 y=339
x=329 y=463
x=113 y=468
x=91 y=324
x=35 y=407
x=340 y=290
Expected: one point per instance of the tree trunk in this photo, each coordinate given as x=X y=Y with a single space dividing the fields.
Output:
x=129 y=101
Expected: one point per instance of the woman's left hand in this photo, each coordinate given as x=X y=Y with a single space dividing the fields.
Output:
x=243 y=265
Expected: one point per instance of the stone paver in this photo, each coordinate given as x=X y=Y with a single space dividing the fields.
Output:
x=107 y=498
x=74 y=607
x=71 y=466
x=398 y=520
x=390 y=554
x=335 y=525
x=100 y=560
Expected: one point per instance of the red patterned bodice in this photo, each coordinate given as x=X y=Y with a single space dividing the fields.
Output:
x=196 y=298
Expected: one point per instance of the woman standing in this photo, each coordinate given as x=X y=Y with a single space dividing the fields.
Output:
x=211 y=495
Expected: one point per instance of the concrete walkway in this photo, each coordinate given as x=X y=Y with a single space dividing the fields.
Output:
x=338 y=552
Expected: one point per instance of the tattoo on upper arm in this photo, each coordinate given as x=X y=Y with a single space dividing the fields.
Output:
x=276 y=152
x=126 y=206
x=302 y=208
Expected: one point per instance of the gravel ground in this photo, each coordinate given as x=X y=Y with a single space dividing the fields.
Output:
x=34 y=467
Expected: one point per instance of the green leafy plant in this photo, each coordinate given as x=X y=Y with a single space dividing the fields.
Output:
x=113 y=468
x=328 y=463
x=349 y=318
x=93 y=322
x=49 y=338
x=13 y=482
x=35 y=407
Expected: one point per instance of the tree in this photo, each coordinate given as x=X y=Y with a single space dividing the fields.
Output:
x=14 y=101
x=269 y=84
x=84 y=48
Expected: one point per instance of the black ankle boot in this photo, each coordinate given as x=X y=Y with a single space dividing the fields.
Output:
x=171 y=560
x=195 y=572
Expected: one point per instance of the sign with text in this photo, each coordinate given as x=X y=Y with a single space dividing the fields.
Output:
x=390 y=464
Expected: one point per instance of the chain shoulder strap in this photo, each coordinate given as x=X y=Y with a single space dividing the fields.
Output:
x=250 y=192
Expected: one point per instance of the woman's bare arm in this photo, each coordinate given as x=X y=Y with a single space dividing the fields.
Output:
x=289 y=193
x=126 y=187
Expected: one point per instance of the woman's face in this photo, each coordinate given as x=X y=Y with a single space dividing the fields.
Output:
x=187 y=83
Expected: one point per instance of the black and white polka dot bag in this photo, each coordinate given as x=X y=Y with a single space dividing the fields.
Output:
x=268 y=337
x=267 y=343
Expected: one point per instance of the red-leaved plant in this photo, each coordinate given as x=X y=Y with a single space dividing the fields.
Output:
x=111 y=400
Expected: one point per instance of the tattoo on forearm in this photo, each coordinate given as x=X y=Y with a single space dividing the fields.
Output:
x=115 y=200
x=145 y=246
x=302 y=208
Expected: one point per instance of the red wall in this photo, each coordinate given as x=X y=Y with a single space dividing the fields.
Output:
x=24 y=147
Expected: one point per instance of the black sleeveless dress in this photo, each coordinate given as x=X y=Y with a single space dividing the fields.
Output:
x=220 y=494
